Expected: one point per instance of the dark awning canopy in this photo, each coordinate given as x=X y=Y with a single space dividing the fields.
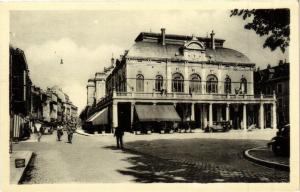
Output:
x=99 y=118
x=156 y=113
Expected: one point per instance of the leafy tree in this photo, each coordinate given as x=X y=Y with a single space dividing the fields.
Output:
x=274 y=23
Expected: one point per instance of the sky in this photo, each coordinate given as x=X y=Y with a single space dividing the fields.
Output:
x=86 y=40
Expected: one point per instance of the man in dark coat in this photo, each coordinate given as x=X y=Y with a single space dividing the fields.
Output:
x=119 y=133
x=70 y=130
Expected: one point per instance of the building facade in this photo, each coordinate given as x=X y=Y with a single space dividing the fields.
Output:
x=203 y=80
x=20 y=83
x=276 y=79
x=29 y=102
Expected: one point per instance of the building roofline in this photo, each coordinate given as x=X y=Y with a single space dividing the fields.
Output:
x=141 y=36
x=183 y=60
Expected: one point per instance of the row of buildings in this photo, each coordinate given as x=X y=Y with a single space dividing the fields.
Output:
x=29 y=102
x=166 y=78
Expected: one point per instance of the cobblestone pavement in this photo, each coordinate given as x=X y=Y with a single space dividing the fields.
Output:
x=150 y=169
x=198 y=157
x=96 y=160
x=206 y=160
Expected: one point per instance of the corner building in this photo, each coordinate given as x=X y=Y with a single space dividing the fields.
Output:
x=165 y=76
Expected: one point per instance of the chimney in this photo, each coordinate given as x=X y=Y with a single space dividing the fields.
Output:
x=112 y=61
x=163 y=36
x=280 y=62
x=212 y=39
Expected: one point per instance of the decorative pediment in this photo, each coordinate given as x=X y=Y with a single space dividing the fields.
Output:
x=194 y=50
x=194 y=45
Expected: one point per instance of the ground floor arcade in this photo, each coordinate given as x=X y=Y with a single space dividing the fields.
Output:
x=200 y=110
x=240 y=115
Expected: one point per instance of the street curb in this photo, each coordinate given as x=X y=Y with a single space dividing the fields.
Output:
x=270 y=164
x=93 y=135
x=26 y=168
x=19 y=175
x=81 y=133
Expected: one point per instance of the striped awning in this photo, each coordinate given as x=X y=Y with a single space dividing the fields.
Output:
x=99 y=118
x=17 y=123
x=156 y=113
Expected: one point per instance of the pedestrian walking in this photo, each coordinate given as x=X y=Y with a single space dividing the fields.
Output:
x=59 y=132
x=70 y=130
x=38 y=129
x=26 y=131
x=119 y=133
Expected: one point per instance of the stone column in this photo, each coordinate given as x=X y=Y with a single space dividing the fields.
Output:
x=186 y=79
x=274 y=116
x=227 y=112
x=261 y=116
x=114 y=93
x=210 y=114
x=250 y=86
x=192 y=112
x=169 y=79
x=245 y=117
x=203 y=87
x=115 y=115
x=131 y=114
x=203 y=82
x=220 y=85
x=204 y=112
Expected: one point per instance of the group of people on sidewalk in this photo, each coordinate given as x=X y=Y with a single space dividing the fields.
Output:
x=39 y=129
x=70 y=128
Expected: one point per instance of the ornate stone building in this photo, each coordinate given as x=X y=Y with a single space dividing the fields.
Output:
x=195 y=77
x=275 y=79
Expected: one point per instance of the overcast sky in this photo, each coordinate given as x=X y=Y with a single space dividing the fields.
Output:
x=86 y=40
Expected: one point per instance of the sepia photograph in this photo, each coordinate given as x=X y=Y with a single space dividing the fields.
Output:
x=135 y=96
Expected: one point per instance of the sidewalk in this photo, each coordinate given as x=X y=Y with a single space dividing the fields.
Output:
x=17 y=173
x=264 y=156
x=81 y=132
x=33 y=138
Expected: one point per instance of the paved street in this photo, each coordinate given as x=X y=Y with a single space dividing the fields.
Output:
x=146 y=159
x=86 y=160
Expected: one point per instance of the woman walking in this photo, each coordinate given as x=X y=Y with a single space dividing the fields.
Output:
x=38 y=129
x=59 y=132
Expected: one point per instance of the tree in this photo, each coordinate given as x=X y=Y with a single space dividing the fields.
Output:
x=274 y=23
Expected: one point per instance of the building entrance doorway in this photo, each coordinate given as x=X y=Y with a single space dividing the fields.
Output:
x=237 y=116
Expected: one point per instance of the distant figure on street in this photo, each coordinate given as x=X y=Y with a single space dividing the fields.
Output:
x=119 y=133
x=38 y=129
x=25 y=130
x=70 y=131
x=59 y=132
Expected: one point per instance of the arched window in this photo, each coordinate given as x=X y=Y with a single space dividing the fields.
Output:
x=158 y=83
x=212 y=84
x=177 y=83
x=227 y=85
x=243 y=87
x=139 y=83
x=195 y=83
